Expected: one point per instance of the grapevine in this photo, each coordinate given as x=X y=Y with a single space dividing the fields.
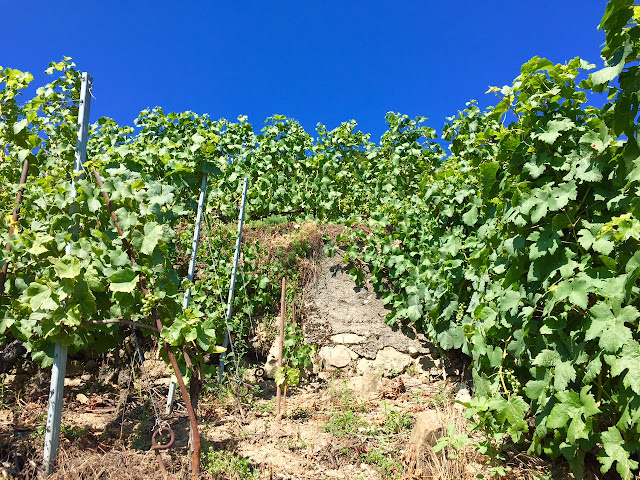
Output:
x=519 y=248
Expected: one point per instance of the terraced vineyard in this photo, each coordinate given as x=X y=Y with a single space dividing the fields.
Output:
x=518 y=248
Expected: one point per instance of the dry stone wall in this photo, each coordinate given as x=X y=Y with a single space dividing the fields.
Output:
x=347 y=324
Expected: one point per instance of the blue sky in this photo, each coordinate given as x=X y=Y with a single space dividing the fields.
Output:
x=316 y=61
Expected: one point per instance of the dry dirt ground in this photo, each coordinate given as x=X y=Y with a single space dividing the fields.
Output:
x=352 y=418
x=326 y=431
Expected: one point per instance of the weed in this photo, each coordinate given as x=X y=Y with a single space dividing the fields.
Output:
x=387 y=464
x=301 y=414
x=73 y=432
x=4 y=391
x=343 y=423
x=298 y=444
x=264 y=407
x=454 y=442
x=256 y=390
x=222 y=464
x=39 y=431
x=342 y=396
x=417 y=395
x=455 y=457
x=140 y=436
x=442 y=398
x=221 y=392
x=268 y=221
x=396 y=421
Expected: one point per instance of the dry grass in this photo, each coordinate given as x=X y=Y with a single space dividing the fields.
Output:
x=278 y=242
x=464 y=462
x=282 y=239
x=75 y=464
x=459 y=462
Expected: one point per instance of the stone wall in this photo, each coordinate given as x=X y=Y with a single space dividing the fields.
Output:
x=347 y=324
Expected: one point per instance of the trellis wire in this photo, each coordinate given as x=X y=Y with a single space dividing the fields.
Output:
x=156 y=412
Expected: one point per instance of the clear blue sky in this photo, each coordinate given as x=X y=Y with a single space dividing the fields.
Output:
x=316 y=61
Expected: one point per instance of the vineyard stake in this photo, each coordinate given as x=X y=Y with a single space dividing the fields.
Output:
x=195 y=459
x=190 y=273
x=58 y=371
x=236 y=258
x=283 y=307
x=14 y=220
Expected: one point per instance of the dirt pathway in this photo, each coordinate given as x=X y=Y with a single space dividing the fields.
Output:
x=328 y=431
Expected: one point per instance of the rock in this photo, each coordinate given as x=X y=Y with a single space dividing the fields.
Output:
x=74 y=368
x=90 y=365
x=426 y=432
x=124 y=379
x=17 y=379
x=427 y=429
x=336 y=306
x=72 y=382
x=365 y=385
x=316 y=364
x=163 y=381
x=110 y=377
x=425 y=364
x=31 y=368
x=413 y=351
x=347 y=338
x=157 y=368
x=366 y=366
x=271 y=365
x=461 y=386
x=393 y=389
x=462 y=395
x=7 y=416
x=12 y=355
x=437 y=372
x=474 y=469
x=391 y=362
x=338 y=356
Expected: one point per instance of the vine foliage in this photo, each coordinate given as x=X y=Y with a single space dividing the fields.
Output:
x=519 y=248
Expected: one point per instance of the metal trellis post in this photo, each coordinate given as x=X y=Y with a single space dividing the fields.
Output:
x=56 y=390
x=233 y=277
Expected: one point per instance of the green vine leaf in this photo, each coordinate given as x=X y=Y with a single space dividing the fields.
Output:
x=124 y=281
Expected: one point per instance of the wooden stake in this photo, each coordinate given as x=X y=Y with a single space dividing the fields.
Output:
x=14 y=220
x=281 y=340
